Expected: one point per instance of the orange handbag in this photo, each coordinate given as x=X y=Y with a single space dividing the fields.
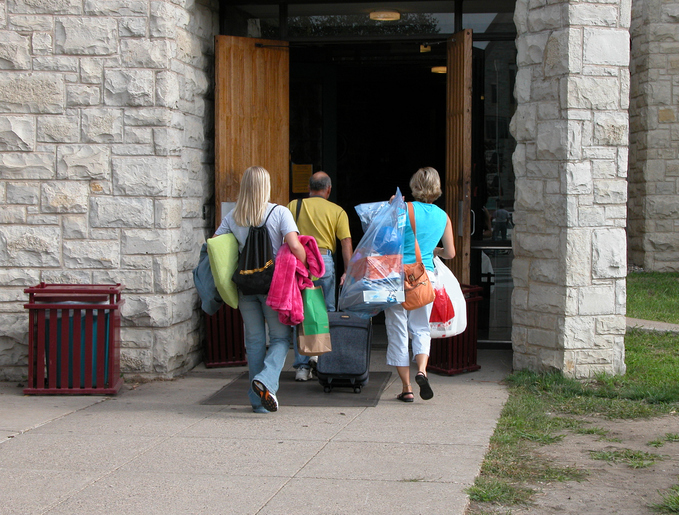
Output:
x=416 y=285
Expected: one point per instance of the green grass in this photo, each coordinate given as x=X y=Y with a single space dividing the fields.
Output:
x=670 y=502
x=653 y=296
x=633 y=459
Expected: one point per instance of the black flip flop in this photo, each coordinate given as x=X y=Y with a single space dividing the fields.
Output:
x=402 y=397
x=425 y=389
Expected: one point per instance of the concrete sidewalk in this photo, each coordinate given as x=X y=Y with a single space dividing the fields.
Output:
x=154 y=448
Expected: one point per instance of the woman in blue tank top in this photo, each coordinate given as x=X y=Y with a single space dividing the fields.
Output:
x=432 y=226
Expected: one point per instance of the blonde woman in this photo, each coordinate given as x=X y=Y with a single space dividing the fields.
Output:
x=252 y=209
x=432 y=225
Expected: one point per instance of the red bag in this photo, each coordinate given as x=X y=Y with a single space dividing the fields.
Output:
x=442 y=309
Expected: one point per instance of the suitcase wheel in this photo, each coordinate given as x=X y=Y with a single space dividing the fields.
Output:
x=327 y=389
x=357 y=389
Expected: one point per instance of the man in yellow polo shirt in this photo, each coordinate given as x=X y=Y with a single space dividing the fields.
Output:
x=327 y=222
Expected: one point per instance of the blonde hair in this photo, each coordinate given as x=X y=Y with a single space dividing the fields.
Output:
x=255 y=191
x=426 y=185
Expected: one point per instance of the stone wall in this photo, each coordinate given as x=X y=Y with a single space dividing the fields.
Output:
x=106 y=164
x=570 y=163
x=654 y=137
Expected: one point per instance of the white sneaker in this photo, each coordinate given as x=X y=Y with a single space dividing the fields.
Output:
x=303 y=374
x=313 y=363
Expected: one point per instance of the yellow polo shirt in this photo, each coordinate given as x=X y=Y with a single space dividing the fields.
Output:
x=322 y=219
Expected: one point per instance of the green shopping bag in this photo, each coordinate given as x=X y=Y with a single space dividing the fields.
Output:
x=313 y=334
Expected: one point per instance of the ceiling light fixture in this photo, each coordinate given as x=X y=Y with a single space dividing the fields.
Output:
x=387 y=15
x=425 y=48
x=439 y=69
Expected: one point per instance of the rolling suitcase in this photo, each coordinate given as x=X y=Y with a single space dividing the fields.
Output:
x=348 y=363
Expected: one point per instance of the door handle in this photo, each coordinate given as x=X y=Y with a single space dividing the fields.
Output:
x=473 y=222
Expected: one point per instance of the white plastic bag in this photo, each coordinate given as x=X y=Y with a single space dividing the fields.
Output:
x=446 y=278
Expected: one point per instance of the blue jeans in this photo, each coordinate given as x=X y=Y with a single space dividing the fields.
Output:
x=264 y=365
x=327 y=282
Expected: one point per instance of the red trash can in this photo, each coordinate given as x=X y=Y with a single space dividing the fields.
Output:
x=74 y=339
x=225 y=339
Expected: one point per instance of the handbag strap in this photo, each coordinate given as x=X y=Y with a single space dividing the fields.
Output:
x=411 y=215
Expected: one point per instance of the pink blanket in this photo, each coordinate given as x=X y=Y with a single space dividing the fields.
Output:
x=290 y=277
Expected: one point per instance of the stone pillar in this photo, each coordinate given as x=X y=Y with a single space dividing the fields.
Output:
x=571 y=128
x=653 y=210
x=106 y=165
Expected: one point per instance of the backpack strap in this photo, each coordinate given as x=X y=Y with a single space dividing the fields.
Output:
x=299 y=207
x=267 y=216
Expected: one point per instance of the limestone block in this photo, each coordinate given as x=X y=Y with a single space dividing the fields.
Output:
x=133 y=150
x=40 y=218
x=537 y=245
x=86 y=36
x=578 y=178
x=660 y=207
x=15 y=51
x=116 y=7
x=578 y=257
x=545 y=270
x=606 y=47
x=167 y=142
x=63 y=276
x=146 y=176
x=136 y=361
x=610 y=191
x=74 y=227
x=41 y=43
x=148 y=116
x=91 y=253
x=64 y=196
x=554 y=139
x=97 y=233
x=191 y=50
x=610 y=129
x=138 y=135
x=141 y=241
x=29 y=246
x=167 y=89
x=609 y=253
x=523 y=124
x=132 y=27
x=604 y=169
x=654 y=170
x=78 y=95
x=165 y=20
x=121 y=212
x=183 y=310
x=611 y=325
x=19 y=277
x=100 y=125
x=530 y=48
x=672 y=168
x=44 y=6
x=563 y=53
x=23 y=193
x=134 y=338
x=593 y=15
x=17 y=133
x=192 y=208
x=147 y=310
x=83 y=162
x=13 y=215
x=597 y=300
x=128 y=87
x=530 y=195
x=58 y=129
x=165 y=274
x=168 y=213
x=145 y=53
x=137 y=262
x=91 y=70
x=27 y=165
x=30 y=23
x=135 y=281
x=36 y=92
x=590 y=93
x=578 y=332
x=56 y=64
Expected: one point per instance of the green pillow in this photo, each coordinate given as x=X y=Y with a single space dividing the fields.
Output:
x=223 y=253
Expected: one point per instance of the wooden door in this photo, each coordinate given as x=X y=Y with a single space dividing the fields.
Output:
x=252 y=115
x=459 y=149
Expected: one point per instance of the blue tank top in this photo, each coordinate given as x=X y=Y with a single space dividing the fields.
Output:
x=430 y=222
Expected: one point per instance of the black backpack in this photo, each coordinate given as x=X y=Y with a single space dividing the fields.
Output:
x=256 y=262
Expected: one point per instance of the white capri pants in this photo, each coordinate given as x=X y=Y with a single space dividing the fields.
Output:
x=400 y=323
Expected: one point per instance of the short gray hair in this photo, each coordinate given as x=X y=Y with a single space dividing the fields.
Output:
x=322 y=183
